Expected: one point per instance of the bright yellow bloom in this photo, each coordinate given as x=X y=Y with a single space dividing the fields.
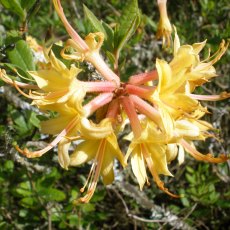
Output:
x=187 y=56
x=186 y=131
x=57 y=82
x=103 y=153
x=170 y=96
x=149 y=150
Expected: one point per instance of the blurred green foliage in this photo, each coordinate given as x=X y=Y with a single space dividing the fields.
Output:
x=37 y=193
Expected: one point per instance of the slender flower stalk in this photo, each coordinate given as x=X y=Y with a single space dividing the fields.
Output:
x=97 y=102
x=132 y=115
x=143 y=78
x=141 y=91
x=144 y=108
x=101 y=86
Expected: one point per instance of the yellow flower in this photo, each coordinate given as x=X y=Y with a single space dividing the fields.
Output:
x=102 y=152
x=149 y=150
x=171 y=97
x=57 y=82
x=187 y=56
x=188 y=130
x=164 y=29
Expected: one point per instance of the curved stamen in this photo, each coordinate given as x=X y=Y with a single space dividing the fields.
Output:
x=60 y=136
x=199 y=156
x=94 y=173
x=220 y=97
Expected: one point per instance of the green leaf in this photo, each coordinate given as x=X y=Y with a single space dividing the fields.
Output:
x=27 y=4
x=95 y=23
x=27 y=201
x=15 y=68
x=19 y=122
x=52 y=194
x=128 y=24
x=22 y=56
x=33 y=119
x=14 y=6
x=9 y=165
x=24 y=189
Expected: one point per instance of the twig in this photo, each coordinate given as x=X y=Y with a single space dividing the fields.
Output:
x=129 y=214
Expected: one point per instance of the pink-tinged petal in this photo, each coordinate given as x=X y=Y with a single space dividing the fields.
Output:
x=141 y=91
x=97 y=102
x=146 y=109
x=103 y=86
x=142 y=78
x=132 y=115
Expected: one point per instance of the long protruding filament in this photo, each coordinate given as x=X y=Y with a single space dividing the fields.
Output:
x=199 y=156
x=60 y=136
x=94 y=173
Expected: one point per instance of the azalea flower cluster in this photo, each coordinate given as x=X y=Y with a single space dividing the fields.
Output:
x=163 y=112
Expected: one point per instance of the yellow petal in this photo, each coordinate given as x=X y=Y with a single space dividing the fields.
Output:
x=55 y=125
x=158 y=155
x=91 y=130
x=171 y=152
x=63 y=153
x=115 y=149
x=184 y=58
x=197 y=47
x=180 y=154
x=176 y=44
x=138 y=166
x=107 y=172
x=84 y=152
